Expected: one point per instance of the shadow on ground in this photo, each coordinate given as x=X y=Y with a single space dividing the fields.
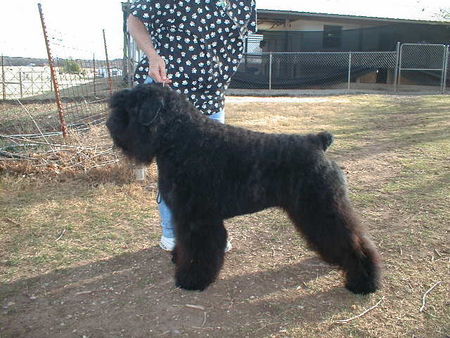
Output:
x=133 y=294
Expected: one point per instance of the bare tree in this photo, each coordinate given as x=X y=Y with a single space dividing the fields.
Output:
x=444 y=13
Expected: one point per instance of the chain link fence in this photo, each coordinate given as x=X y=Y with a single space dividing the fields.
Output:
x=427 y=61
x=447 y=75
x=407 y=69
x=41 y=99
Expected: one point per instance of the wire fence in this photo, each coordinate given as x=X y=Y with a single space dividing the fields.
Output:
x=29 y=117
x=383 y=71
x=412 y=68
x=43 y=98
x=313 y=70
x=429 y=60
x=87 y=80
x=30 y=127
x=84 y=87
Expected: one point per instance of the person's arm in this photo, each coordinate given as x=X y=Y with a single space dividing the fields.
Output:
x=157 y=66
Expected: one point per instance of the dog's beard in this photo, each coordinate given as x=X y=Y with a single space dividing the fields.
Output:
x=139 y=146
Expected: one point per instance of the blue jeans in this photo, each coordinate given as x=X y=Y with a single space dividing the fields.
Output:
x=168 y=228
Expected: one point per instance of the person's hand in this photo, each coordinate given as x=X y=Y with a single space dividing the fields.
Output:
x=157 y=68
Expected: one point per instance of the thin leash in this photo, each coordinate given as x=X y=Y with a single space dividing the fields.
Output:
x=149 y=80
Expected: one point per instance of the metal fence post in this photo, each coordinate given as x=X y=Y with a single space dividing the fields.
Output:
x=51 y=83
x=444 y=70
x=107 y=63
x=399 y=79
x=94 y=71
x=349 y=71
x=21 y=85
x=396 y=73
x=270 y=71
x=3 y=80
x=53 y=73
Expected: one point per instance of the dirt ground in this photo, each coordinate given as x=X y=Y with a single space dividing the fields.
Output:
x=79 y=254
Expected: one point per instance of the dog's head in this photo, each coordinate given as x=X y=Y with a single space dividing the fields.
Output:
x=134 y=120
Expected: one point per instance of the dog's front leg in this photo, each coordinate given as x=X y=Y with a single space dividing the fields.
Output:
x=199 y=253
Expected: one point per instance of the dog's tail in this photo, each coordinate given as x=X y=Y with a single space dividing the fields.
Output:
x=325 y=139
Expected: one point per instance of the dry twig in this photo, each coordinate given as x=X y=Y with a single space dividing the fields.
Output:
x=437 y=252
x=361 y=314
x=197 y=307
x=204 y=319
x=88 y=292
x=425 y=295
x=60 y=236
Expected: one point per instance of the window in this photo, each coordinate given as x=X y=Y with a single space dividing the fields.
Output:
x=332 y=36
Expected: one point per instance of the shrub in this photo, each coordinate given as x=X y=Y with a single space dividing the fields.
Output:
x=72 y=67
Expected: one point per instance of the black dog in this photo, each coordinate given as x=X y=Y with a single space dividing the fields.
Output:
x=209 y=172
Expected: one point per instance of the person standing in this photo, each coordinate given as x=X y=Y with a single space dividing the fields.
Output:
x=195 y=46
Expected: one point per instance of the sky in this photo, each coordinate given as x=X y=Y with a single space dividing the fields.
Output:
x=76 y=26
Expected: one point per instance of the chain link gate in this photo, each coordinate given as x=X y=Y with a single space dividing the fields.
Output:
x=430 y=59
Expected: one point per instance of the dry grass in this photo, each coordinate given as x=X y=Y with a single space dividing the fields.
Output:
x=79 y=257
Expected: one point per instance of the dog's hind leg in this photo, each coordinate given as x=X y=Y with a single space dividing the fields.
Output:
x=199 y=253
x=331 y=228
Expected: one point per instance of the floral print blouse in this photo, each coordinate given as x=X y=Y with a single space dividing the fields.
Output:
x=201 y=42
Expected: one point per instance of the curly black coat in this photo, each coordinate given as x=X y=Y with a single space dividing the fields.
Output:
x=209 y=172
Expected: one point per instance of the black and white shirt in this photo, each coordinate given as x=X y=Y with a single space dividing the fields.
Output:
x=201 y=41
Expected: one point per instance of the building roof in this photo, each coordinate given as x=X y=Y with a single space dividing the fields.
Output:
x=421 y=11
x=271 y=14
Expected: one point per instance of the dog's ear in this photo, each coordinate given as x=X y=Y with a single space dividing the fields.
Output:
x=149 y=111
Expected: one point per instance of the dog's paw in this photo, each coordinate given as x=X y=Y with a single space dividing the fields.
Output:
x=366 y=273
x=192 y=281
x=363 y=286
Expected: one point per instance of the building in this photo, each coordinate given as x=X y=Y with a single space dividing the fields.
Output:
x=316 y=50
x=290 y=31
x=294 y=49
